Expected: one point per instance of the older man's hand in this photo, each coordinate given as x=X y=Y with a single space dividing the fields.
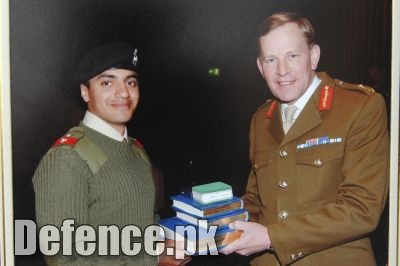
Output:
x=255 y=238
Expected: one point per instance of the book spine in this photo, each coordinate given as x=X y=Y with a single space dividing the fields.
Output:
x=224 y=208
x=227 y=220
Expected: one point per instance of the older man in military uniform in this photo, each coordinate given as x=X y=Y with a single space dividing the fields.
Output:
x=319 y=152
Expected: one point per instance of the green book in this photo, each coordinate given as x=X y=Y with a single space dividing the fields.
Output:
x=212 y=192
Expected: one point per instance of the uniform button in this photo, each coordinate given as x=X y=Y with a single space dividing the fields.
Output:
x=283 y=215
x=283 y=153
x=255 y=166
x=283 y=183
x=297 y=256
x=318 y=162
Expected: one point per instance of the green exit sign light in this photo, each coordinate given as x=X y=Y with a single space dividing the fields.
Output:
x=213 y=72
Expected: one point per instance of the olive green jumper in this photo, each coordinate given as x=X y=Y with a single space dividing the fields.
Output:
x=120 y=193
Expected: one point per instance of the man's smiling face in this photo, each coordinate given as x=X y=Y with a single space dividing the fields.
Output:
x=287 y=62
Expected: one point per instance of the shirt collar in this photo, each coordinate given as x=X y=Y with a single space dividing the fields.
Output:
x=98 y=124
x=301 y=102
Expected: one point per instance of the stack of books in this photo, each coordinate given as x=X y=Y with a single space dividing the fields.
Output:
x=213 y=203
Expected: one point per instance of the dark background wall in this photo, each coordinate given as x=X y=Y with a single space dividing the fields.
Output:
x=194 y=126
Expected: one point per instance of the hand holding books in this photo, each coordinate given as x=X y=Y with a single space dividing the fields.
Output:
x=255 y=238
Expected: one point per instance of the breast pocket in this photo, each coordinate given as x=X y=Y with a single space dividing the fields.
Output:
x=319 y=172
x=319 y=156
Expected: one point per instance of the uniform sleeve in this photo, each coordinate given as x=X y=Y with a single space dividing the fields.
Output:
x=361 y=195
x=251 y=197
x=61 y=188
x=61 y=192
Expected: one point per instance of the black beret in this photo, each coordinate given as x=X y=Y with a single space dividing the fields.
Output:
x=110 y=55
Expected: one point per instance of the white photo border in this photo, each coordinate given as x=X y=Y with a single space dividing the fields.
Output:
x=394 y=232
x=6 y=192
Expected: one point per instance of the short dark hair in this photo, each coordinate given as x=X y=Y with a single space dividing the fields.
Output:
x=278 y=19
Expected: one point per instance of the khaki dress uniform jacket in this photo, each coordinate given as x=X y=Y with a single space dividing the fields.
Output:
x=320 y=202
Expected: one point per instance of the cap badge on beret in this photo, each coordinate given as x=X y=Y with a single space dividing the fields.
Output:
x=112 y=55
x=135 y=57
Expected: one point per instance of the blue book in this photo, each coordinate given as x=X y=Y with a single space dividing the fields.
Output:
x=198 y=240
x=221 y=220
x=192 y=207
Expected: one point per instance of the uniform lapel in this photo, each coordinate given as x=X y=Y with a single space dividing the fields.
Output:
x=275 y=127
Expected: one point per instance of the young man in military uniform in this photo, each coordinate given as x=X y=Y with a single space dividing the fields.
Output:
x=320 y=153
x=96 y=174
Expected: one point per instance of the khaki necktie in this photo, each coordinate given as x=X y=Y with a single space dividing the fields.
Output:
x=289 y=117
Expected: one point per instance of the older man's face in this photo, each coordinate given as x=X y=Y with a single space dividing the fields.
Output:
x=287 y=63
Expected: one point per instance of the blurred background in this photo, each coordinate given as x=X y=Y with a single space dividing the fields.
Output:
x=199 y=81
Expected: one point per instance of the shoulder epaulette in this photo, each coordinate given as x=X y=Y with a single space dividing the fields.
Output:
x=75 y=139
x=70 y=138
x=359 y=87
